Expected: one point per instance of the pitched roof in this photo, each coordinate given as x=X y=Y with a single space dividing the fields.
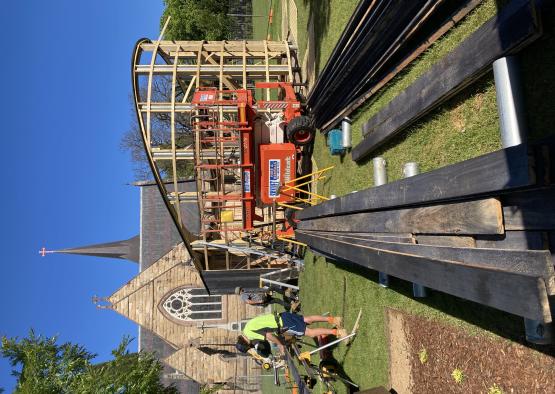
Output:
x=158 y=232
x=127 y=249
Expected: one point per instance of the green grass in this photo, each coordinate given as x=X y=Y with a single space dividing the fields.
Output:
x=260 y=24
x=464 y=127
x=275 y=27
x=330 y=18
x=326 y=287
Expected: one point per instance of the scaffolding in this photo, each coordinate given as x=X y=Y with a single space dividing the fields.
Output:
x=196 y=103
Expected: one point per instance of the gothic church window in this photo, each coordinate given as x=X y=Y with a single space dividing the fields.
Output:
x=189 y=304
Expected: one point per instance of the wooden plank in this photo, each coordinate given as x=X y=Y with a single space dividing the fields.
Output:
x=446 y=240
x=353 y=105
x=505 y=169
x=528 y=262
x=267 y=65
x=289 y=62
x=387 y=237
x=533 y=240
x=401 y=238
x=505 y=33
x=223 y=78
x=530 y=210
x=214 y=46
x=199 y=63
x=174 y=147
x=377 y=31
x=244 y=64
x=472 y=217
x=520 y=294
x=551 y=242
x=149 y=83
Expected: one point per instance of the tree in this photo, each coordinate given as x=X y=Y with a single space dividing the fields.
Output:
x=132 y=141
x=196 y=19
x=41 y=365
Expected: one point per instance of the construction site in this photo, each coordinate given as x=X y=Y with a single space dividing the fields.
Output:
x=388 y=163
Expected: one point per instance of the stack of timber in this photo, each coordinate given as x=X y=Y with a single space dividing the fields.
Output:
x=516 y=26
x=381 y=38
x=480 y=229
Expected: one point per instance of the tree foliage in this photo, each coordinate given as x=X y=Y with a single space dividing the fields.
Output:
x=196 y=19
x=41 y=365
x=190 y=20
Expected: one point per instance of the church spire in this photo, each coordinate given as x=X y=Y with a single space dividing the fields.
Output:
x=127 y=250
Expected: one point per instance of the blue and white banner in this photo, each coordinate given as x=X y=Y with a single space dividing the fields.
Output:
x=247 y=181
x=274 y=178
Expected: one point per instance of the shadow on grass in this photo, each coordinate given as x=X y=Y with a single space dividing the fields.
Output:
x=537 y=63
x=478 y=88
x=319 y=13
x=498 y=322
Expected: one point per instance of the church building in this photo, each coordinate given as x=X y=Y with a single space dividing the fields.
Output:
x=191 y=332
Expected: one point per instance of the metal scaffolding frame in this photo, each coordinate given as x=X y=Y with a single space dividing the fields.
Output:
x=216 y=132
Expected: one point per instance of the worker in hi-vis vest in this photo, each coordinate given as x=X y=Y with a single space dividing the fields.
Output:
x=272 y=327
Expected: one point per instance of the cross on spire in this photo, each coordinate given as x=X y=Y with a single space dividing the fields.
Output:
x=127 y=249
x=43 y=251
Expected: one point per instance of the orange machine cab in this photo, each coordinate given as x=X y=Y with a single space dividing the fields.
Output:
x=277 y=166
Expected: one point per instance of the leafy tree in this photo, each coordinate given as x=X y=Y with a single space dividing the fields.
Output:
x=41 y=365
x=46 y=367
x=190 y=20
x=196 y=19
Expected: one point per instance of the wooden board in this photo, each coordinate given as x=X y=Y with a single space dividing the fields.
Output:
x=551 y=242
x=501 y=170
x=388 y=237
x=446 y=240
x=505 y=33
x=528 y=262
x=473 y=217
x=533 y=240
x=519 y=294
x=373 y=88
x=530 y=210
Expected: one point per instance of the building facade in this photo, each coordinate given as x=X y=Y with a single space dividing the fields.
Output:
x=191 y=332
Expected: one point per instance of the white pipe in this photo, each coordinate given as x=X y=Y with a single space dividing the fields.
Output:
x=333 y=342
x=512 y=120
x=346 y=133
x=380 y=173
x=275 y=282
x=411 y=169
x=512 y=123
x=380 y=178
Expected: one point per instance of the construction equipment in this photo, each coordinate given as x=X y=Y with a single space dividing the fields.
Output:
x=228 y=112
x=328 y=369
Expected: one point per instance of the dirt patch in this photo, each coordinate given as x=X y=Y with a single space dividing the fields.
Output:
x=399 y=353
x=457 y=118
x=439 y=354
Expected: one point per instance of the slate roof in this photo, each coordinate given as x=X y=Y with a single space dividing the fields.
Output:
x=127 y=249
x=158 y=236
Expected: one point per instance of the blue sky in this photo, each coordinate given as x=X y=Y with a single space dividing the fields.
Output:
x=65 y=71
